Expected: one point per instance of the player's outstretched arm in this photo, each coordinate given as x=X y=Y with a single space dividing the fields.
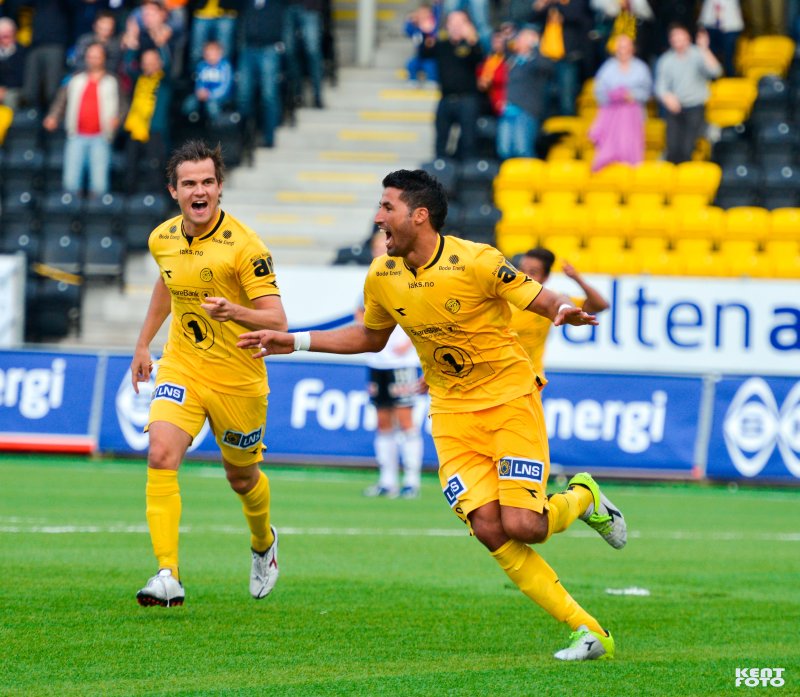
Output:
x=353 y=339
x=559 y=309
x=595 y=302
x=157 y=312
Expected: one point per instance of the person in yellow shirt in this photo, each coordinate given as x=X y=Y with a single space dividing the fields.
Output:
x=216 y=279
x=533 y=329
x=452 y=298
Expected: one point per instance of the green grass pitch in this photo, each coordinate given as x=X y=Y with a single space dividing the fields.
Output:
x=382 y=597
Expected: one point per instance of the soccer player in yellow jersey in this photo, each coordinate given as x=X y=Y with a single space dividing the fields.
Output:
x=216 y=280
x=532 y=329
x=451 y=297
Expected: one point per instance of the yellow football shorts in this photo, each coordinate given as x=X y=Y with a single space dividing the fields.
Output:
x=496 y=454
x=238 y=422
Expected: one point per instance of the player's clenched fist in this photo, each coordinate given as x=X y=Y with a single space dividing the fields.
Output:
x=267 y=342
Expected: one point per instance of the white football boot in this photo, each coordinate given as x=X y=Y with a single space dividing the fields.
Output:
x=163 y=589
x=264 y=571
x=586 y=645
x=602 y=515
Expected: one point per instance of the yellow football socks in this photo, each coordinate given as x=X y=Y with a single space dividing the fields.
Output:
x=536 y=579
x=565 y=507
x=255 y=504
x=163 y=498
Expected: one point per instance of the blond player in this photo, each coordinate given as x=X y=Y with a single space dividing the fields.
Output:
x=451 y=297
x=216 y=280
x=533 y=329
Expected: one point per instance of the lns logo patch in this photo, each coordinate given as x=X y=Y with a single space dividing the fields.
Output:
x=516 y=468
x=454 y=488
x=242 y=441
x=170 y=391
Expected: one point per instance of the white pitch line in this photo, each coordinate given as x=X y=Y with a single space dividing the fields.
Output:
x=20 y=526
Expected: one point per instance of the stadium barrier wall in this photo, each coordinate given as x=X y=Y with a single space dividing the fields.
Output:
x=719 y=426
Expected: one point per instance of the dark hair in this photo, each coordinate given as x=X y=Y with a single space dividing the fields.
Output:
x=105 y=14
x=420 y=190
x=678 y=25
x=96 y=43
x=195 y=151
x=544 y=255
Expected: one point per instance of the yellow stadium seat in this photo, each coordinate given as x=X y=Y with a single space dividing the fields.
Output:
x=563 y=150
x=738 y=257
x=681 y=201
x=652 y=178
x=600 y=199
x=557 y=199
x=692 y=246
x=520 y=229
x=612 y=179
x=773 y=51
x=698 y=178
x=562 y=245
x=645 y=200
x=781 y=248
x=723 y=117
x=616 y=264
x=700 y=223
x=581 y=259
x=784 y=224
x=508 y=199
x=565 y=176
x=519 y=173
x=747 y=223
x=662 y=263
x=655 y=135
x=6 y=117
x=732 y=93
x=787 y=267
x=610 y=221
x=760 y=266
x=567 y=220
x=701 y=263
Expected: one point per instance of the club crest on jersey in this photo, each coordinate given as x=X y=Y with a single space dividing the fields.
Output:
x=453 y=305
x=171 y=391
x=206 y=275
x=516 y=468
x=455 y=487
x=242 y=441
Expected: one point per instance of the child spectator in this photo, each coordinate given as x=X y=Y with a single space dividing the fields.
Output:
x=213 y=84
x=421 y=24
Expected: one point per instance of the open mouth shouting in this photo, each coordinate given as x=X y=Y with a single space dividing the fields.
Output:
x=200 y=207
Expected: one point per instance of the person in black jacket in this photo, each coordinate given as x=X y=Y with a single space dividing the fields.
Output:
x=261 y=52
x=12 y=64
x=44 y=64
x=458 y=54
x=528 y=72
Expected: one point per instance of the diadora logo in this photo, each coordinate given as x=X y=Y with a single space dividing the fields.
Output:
x=243 y=441
x=455 y=487
x=170 y=391
x=517 y=468
x=754 y=425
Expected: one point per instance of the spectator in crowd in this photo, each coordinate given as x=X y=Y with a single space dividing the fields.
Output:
x=528 y=73
x=44 y=62
x=213 y=19
x=260 y=63
x=104 y=31
x=622 y=87
x=493 y=73
x=213 y=84
x=564 y=39
x=421 y=25
x=12 y=64
x=682 y=77
x=478 y=13
x=90 y=105
x=147 y=125
x=394 y=383
x=84 y=14
x=304 y=29
x=765 y=17
x=621 y=16
x=723 y=21
x=148 y=28
x=458 y=54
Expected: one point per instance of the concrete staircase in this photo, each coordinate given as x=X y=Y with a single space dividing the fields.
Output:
x=318 y=189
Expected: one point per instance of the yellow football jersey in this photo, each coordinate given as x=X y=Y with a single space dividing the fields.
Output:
x=231 y=262
x=455 y=309
x=532 y=330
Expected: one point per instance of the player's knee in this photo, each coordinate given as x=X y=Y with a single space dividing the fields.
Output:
x=241 y=480
x=161 y=457
x=530 y=527
x=489 y=532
